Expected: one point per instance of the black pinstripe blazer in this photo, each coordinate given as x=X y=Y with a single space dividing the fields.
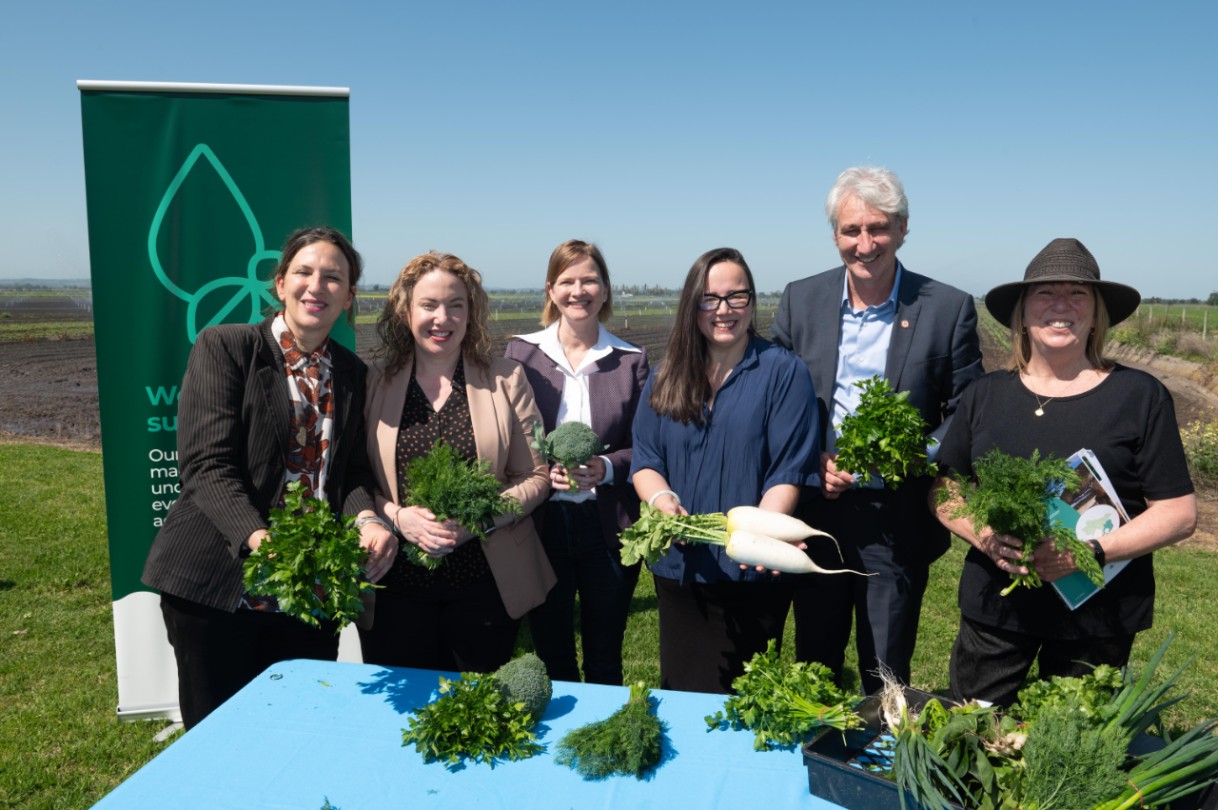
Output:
x=234 y=420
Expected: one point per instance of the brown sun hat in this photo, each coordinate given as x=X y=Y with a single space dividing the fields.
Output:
x=1064 y=260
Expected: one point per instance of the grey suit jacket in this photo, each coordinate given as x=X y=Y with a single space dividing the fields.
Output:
x=234 y=420
x=933 y=354
x=614 y=389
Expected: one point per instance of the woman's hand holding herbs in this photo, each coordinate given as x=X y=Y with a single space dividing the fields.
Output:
x=255 y=539
x=420 y=527
x=381 y=546
x=1051 y=564
x=1003 y=549
x=464 y=535
x=671 y=507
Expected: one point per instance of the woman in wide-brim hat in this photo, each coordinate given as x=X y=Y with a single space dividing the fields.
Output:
x=1061 y=395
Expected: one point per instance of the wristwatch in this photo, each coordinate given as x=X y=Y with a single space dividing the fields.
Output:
x=1098 y=551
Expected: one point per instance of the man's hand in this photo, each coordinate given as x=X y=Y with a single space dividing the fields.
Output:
x=833 y=482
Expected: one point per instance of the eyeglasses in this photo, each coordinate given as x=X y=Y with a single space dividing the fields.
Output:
x=738 y=299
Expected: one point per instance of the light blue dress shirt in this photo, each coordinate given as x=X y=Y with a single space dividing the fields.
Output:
x=862 y=352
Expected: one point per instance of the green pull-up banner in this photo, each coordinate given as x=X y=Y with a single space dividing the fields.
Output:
x=191 y=190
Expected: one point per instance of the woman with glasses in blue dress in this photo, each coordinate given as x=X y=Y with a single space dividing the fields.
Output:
x=727 y=419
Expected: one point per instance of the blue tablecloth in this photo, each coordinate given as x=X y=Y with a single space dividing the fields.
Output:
x=307 y=731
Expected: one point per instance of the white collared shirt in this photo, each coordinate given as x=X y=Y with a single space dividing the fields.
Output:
x=575 y=404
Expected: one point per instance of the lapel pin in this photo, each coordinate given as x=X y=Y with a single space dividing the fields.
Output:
x=904 y=324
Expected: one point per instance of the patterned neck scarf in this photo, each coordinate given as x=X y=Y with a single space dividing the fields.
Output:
x=310 y=384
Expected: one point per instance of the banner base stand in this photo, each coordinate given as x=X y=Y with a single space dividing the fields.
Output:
x=167 y=732
x=169 y=713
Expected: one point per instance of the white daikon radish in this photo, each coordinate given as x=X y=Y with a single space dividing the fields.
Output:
x=750 y=548
x=773 y=524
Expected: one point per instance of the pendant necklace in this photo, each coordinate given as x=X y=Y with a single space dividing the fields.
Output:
x=1040 y=404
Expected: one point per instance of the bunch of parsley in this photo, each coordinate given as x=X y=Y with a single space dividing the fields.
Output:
x=311 y=562
x=472 y=718
x=1011 y=496
x=885 y=435
x=784 y=704
x=454 y=489
x=1089 y=694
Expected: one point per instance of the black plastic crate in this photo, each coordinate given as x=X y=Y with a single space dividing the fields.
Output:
x=836 y=760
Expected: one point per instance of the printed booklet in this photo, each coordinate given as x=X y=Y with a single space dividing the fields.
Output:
x=1093 y=510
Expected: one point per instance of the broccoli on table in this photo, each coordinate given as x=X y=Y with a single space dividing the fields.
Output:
x=524 y=680
x=570 y=444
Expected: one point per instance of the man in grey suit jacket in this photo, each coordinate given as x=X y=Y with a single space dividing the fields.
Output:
x=873 y=316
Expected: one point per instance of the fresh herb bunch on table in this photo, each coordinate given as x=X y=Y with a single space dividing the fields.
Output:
x=454 y=489
x=485 y=718
x=885 y=435
x=1011 y=495
x=1065 y=745
x=629 y=742
x=785 y=704
x=310 y=562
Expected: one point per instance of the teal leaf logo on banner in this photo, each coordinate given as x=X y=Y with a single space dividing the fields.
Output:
x=218 y=299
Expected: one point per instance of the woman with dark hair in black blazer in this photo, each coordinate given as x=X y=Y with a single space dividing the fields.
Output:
x=262 y=405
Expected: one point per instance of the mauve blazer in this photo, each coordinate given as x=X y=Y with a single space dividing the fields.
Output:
x=502 y=410
x=614 y=391
x=234 y=424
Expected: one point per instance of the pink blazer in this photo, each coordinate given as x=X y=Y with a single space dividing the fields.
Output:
x=502 y=410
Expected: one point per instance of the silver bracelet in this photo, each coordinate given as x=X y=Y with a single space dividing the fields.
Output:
x=366 y=519
x=652 y=500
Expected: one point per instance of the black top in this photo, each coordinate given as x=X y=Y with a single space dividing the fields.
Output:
x=420 y=428
x=1129 y=422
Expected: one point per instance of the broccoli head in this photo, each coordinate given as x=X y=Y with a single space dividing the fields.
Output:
x=570 y=444
x=524 y=680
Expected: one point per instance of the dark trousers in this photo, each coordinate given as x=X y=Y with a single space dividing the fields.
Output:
x=708 y=632
x=218 y=652
x=456 y=629
x=992 y=664
x=884 y=608
x=585 y=565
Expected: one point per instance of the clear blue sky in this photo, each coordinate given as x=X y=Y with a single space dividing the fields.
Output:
x=661 y=130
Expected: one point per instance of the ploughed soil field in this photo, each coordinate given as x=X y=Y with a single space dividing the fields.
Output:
x=49 y=386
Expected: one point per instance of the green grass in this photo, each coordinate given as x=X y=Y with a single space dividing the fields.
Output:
x=1187 y=316
x=14 y=331
x=61 y=745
